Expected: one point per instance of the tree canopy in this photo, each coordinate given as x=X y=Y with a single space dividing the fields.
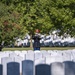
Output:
x=18 y=17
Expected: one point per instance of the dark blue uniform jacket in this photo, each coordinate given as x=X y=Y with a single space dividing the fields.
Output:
x=36 y=39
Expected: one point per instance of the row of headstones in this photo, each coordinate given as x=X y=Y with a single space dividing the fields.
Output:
x=48 y=60
x=37 y=58
x=28 y=68
x=51 y=52
x=18 y=59
x=63 y=55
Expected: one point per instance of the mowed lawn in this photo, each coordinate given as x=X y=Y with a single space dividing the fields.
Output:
x=42 y=48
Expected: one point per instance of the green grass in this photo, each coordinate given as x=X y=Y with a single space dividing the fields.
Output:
x=42 y=48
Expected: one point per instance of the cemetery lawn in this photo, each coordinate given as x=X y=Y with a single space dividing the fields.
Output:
x=42 y=48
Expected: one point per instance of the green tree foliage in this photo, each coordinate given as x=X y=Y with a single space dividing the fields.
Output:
x=63 y=15
x=45 y=15
x=9 y=24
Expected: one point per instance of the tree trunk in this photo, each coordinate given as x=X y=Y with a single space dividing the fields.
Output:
x=31 y=45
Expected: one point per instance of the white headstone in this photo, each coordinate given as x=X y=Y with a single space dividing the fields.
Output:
x=3 y=54
x=17 y=52
x=53 y=59
x=19 y=60
x=22 y=55
x=30 y=56
x=37 y=55
x=66 y=56
x=40 y=61
x=24 y=52
x=30 y=51
x=13 y=55
x=57 y=68
x=4 y=62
